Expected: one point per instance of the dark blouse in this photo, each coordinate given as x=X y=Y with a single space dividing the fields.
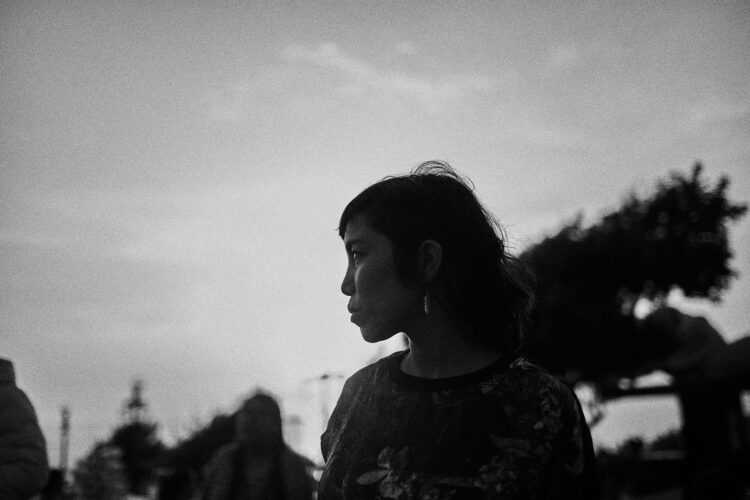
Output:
x=508 y=431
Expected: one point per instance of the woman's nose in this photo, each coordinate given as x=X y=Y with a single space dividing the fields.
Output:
x=347 y=286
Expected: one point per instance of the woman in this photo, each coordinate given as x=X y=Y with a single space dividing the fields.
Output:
x=457 y=414
x=258 y=464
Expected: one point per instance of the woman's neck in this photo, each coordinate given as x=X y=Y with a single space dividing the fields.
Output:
x=441 y=350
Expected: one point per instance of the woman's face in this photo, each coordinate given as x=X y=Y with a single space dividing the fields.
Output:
x=380 y=303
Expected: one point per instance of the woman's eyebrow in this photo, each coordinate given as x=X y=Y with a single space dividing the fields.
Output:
x=351 y=243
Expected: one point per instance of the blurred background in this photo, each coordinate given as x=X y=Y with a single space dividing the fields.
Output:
x=172 y=174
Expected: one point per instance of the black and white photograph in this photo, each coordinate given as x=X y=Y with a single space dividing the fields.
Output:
x=360 y=250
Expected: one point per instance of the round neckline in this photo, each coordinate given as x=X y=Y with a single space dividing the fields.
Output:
x=438 y=384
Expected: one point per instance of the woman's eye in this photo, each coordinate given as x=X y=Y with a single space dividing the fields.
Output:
x=356 y=256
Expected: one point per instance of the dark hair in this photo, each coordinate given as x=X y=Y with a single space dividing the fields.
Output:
x=485 y=288
x=274 y=444
x=265 y=400
x=269 y=409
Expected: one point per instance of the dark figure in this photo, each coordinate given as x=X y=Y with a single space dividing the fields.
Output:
x=258 y=465
x=709 y=374
x=694 y=351
x=23 y=452
x=458 y=414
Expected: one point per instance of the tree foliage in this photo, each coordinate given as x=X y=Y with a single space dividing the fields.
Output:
x=141 y=450
x=194 y=452
x=99 y=475
x=128 y=459
x=589 y=278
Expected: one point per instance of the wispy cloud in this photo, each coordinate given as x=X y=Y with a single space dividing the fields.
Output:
x=360 y=76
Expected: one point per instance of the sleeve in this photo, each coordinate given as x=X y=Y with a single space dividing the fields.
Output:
x=339 y=412
x=23 y=453
x=588 y=480
x=572 y=465
x=551 y=456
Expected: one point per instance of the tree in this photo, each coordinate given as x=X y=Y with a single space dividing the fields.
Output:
x=137 y=440
x=194 y=452
x=140 y=452
x=125 y=462
x=590 y=278
x=99 y=476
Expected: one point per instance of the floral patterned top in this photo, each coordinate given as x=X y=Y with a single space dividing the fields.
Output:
x=508 y=431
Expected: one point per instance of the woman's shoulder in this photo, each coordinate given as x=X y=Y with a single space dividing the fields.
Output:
x=523 y=367
x=531 y=378
x=376 y=370
x=365 y=381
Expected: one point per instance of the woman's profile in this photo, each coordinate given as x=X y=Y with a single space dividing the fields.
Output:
x=458 y=414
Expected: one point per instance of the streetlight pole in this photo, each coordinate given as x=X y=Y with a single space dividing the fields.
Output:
x=64 y=440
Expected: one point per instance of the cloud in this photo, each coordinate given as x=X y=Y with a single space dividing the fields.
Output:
x=361 y=77
x=238 y=101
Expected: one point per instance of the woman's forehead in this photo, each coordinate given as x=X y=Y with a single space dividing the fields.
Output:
x=358 y=228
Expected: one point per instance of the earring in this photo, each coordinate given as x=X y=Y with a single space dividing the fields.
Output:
x=427 y=303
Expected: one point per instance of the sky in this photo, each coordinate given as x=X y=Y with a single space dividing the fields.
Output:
x=172 y=174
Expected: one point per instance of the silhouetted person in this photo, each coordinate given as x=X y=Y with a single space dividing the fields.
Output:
x=709 y=374
x=23 y=452
x=695 y=350
x=258 y=465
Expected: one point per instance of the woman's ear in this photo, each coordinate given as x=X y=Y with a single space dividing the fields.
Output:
x=430 y=259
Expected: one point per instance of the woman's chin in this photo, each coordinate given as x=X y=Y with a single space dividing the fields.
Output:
x=374 y=336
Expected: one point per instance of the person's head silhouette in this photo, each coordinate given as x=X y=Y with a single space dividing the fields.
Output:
x=258 y=425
